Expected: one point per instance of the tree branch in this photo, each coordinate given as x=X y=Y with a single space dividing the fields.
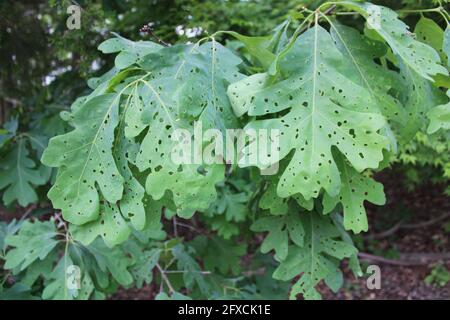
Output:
x=407 y=259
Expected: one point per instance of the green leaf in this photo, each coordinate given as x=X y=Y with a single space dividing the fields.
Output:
x=110 y=226
x=173 y=296
x=281 y=229
x=315 y=261
x=419 y=96
x=142 y=270
x=356 y=188
x=7 y=229
x=190 y=83
x=421 y=58
x=85 y=161
x=33 y=241
x=57 y=286
x=280 y=206
x=360 y=52
x=229 y=203
x=40 y=269
x=192 y=274
x=439 y=117
x=353 y=263
x=19 y=176
x=431 y=33
x=8 y=131
x=325 y=109
x=129 y=51
x=218 y=254
x=131 y=205
x=111 y=260
x=257 y=47
x=18 y=291
x=446 y=44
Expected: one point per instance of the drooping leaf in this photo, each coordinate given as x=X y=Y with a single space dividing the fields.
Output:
x=439 y=117
x=142 y=270
x=281 y=229
x=19 y=176
x=111 y=260
x=218 y=254
x=192 y=274
x=421 y=58
x=356 y=188
x=431 y=33
x=361 y=52
x=353 y=262
x=18 y=291
x=316 y=260
x=63 y=285
x=418 y=96
x=280 y=206
x=264 y=49
x=129 y=51
x=85 y=161
x=111 y=226
x=35 y=240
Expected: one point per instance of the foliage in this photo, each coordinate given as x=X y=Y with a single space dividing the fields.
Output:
x=439 y=276
x=347 y=97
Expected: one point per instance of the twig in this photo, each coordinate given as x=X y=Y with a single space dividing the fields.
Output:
x=61 y=222
x=400 y=225
x=175 y=229
x=386 y=233
x=181 y=224
x=329 y=10
x=257 y=272
x=426 y=223
x=408 y=259
x=28 y=211
x=185 y=271
x=166 y=280
x=147 y=28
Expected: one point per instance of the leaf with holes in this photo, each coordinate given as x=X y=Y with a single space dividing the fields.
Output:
x=85 y=161
x=418 y=56
x=419 y=96
x=361 y=52
x=129 y=52
x=323 y=109
x=186 y=83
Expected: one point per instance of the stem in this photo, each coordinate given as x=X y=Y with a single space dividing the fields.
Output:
x=411 y=259
x=175 y=229
x=166 y=280
x=185 y=271
x=400 y=225
x=438 y=9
